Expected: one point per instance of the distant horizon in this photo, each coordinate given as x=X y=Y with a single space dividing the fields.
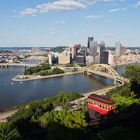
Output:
x=64 y=46
x=54 y=22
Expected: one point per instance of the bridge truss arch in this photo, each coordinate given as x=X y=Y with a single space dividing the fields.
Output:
x=106 y=71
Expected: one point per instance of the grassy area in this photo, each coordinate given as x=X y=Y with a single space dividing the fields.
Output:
x=43 y=70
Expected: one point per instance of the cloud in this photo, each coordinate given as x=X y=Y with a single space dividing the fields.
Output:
x=29 y=11
x=117 y=10
x=114 y=10
x=137 y=4
x=94 y=17
x=89 y=2
x=60 y=5
x=53 y=32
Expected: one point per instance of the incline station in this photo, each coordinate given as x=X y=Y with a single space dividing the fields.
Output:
x=100 y=105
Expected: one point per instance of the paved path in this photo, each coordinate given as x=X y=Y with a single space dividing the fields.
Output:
x=98 y=92
x=22 y=78
x=17 y=64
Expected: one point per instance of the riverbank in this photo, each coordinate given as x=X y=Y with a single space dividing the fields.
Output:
x=23 y=78
x=6 y=113
x=17 y=64
x=98 y=92
x=125 y=63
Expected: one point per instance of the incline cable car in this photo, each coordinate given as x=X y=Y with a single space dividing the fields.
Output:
x=100 y=104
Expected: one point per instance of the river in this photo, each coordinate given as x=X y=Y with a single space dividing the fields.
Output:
x=16 y=93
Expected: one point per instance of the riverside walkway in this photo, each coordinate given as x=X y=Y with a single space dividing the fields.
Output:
x=17 y=64
x=22 y=78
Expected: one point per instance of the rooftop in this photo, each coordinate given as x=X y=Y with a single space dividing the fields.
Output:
x=103 y=99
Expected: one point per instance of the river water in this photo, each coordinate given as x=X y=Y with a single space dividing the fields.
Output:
x=16 y=93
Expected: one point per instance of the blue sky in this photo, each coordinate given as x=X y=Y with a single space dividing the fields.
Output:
x=67 y=22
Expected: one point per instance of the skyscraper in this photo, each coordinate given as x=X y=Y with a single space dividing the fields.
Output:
x=92 y=46
x=103 y=53
x=118 y=48
x=97 y=52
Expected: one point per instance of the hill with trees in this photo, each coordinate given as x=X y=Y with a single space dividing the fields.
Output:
x=59 y=49
x=41 y=120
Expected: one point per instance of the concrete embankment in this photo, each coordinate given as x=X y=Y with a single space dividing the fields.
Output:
x=22 y=78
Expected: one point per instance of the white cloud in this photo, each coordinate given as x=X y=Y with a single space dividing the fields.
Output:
x=137 y=4
x=95 y=1
x=53 y=32
x=94 y=17
x=117 y=10
x=29 y=11
x=87 y=2
x=60 y=5
x=114 y=10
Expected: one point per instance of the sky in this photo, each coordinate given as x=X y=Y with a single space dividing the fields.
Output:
x=50 y=23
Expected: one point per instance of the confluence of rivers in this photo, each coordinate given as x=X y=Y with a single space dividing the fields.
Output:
x=16 y=93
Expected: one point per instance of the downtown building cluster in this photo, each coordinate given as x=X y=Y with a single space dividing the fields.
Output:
x=94 y=53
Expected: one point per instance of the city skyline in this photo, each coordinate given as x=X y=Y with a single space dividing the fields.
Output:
x=45 y=23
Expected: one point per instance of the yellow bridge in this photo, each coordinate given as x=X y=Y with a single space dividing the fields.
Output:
x=106 y=71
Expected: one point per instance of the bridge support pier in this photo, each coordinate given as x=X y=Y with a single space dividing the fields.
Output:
x=115 y=81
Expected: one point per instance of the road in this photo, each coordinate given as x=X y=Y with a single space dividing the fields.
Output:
x=98 y=92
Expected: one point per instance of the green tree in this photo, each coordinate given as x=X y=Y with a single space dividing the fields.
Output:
x=70 y=119
x=133 y=73
x=8 y=131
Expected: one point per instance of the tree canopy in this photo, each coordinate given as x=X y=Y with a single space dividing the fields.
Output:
x=8 y=131
x=133 y=73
